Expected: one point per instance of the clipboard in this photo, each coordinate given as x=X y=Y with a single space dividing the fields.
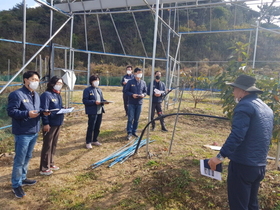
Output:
x=107 y=102
x=64 y=111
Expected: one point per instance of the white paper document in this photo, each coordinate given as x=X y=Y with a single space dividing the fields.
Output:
x=157 y=91
x=217 y=148
x=64 y=111
x=206 y=171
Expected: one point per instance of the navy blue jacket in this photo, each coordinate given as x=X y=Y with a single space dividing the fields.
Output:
x=134 y=87
x=52 y=100
x=161 y=87
x=20 y=102
x=251 y=132
x=129 y=77
x=89 y=100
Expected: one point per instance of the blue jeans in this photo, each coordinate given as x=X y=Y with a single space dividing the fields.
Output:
x=24 y=145
x=134 y=111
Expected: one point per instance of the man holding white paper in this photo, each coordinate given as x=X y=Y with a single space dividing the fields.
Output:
x=247 y=145
x=158 y=94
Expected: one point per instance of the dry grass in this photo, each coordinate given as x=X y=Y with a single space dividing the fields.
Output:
x=161 y=181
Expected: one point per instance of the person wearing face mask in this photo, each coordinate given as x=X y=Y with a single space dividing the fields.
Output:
x=136 y=90
x=51 y=101
x=94 y=107
x=158 y=93
x=125 y=79
x=247 y=145
x=24 y=109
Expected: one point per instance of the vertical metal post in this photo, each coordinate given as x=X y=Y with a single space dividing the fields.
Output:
x=86 y=37
x=24 y=33
x=256 y=43
x=71 y=55
x=167 y=72
x=153 y=70
x=9 y=65
x=88 y=67
x=278 y=156
x=46 y=65
x=36 y=63
x=40 y=65
x=51 y=61
x=143 y=68
x=65 y=58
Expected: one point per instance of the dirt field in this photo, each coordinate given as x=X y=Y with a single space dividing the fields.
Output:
x=154 y=181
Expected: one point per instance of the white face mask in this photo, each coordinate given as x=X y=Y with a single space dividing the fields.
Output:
x=57 y=87
x=128 y=72
x=236 y=100
x=34 y=85
x=95 y=83
x=139 y=75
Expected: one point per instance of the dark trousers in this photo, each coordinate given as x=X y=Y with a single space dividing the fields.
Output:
x=125 y=101
x=157 y=107
x=93 y=129
x=49 y=147
x=243 y=186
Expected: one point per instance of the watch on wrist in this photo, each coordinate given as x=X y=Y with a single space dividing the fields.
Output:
x=220 y=157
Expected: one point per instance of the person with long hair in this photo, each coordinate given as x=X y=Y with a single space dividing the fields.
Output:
x=51 y=101
x=94 y=107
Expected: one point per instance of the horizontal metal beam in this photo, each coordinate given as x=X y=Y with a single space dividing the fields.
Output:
x=118 y=55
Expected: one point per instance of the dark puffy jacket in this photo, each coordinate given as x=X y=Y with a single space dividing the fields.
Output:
x=89 y=100
x=52 y=100
x=135 y=87
x=20 y=102
x=161 y=86
x=251 y=132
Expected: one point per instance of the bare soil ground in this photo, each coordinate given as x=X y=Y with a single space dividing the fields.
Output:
x=155 y=181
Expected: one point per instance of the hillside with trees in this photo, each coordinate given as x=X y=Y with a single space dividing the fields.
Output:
x=195 y=46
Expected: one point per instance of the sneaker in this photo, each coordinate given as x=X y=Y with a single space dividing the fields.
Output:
x=164 y=130
x=54 y=168
x=28 y=182
x=88 y=146
x=46 y=172
x=19 y=193
x=96 y=143
x=135 y=135
x=128 y=136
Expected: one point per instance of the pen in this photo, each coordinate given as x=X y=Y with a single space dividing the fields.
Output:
x=45 y=133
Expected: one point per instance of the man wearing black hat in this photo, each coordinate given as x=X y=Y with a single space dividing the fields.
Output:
x=247 y=145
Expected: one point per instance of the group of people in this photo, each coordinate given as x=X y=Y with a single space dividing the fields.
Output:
x=246 y=146
x=26 y=107
x=134 y=90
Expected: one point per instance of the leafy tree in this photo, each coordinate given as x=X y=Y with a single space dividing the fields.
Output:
x=271 y=14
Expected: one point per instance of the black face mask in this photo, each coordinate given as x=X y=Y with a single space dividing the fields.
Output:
x=158 y=77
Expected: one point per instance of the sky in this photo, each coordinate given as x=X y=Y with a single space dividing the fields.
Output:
x=9 y=4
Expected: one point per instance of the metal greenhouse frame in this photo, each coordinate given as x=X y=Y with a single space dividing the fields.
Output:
x=72 y=8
